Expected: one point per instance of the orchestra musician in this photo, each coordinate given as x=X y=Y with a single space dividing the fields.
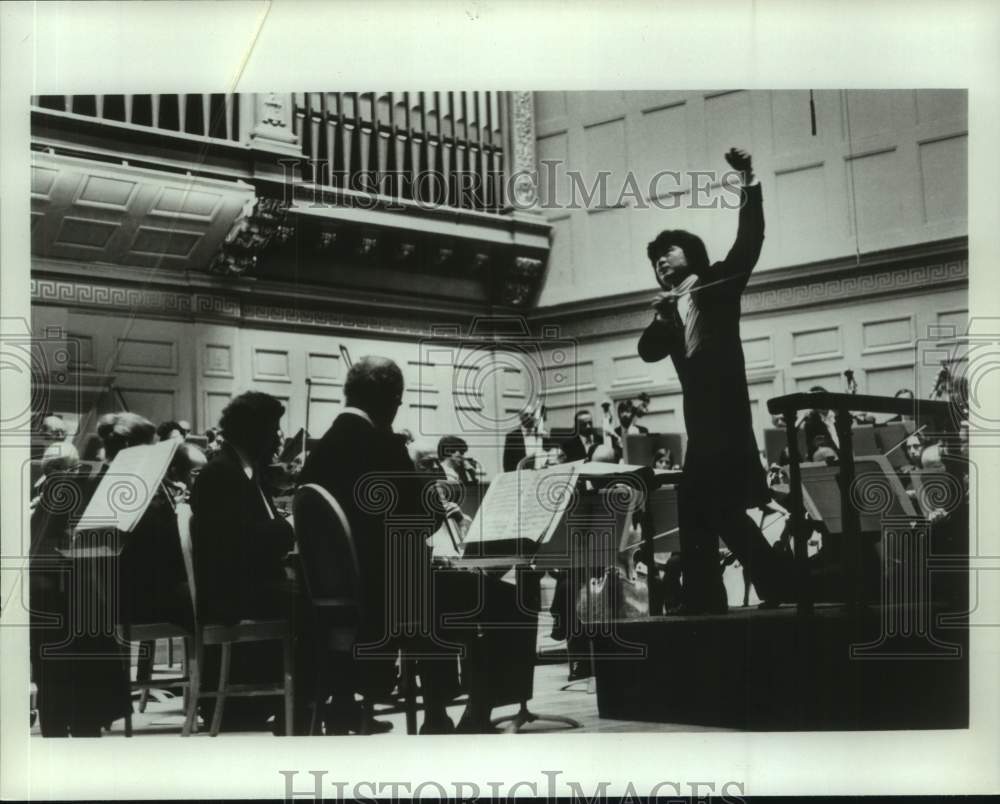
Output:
x=585 y=438
x=454 y=461
x=722 y=472
x=359 y=444
x=663 y=458
x=239 y=541
x=151 y=583
x=523 y=441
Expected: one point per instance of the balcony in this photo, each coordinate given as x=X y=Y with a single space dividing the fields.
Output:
x=363 y=188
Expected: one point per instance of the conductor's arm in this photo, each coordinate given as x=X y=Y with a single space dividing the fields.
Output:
x=665 y=335
x=743 y=255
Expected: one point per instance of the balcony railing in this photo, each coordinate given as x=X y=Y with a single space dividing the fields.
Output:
x=436 y=148
x=212 y=116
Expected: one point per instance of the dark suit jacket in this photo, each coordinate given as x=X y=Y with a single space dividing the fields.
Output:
x=574 y=449
x=817 y=433
x=513 y=450
x=722 y=459
x=348 y=452
x=238 y=548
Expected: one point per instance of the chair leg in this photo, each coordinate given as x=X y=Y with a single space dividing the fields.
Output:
x=194 y=659
x=126 y=657
x=220 y=699
x=170 y=652
x=319 y=692
x=185 y=672
x=144 y=669
x=289 y=664
x=408 y=686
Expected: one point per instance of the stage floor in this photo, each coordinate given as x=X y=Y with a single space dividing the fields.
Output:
x=554 y=695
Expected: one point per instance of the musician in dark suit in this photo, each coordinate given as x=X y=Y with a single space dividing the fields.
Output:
x=820 y=429
x=585 y=439
x=359 y=448
x=239 y=541
x=722 y=472
x=522 y=441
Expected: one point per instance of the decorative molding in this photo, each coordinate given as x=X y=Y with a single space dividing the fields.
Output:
x=217 y=360
x=366 y=245
x=272 y=125
x=769 y=292
x=192 y=306
x=899 y=280
x=326 y=241
x=480 y=262
x=522 y=134
x=258 y=227
x=298 y=317
x=521 y=281
x=83 y=294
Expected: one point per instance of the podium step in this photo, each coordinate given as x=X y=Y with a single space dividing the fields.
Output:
x=769 y=670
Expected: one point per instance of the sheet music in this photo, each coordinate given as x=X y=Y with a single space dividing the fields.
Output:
x=524 y=505
x=128 y=487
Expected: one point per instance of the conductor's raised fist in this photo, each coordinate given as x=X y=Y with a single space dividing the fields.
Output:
x=740 y=160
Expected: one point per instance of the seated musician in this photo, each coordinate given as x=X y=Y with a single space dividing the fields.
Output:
x=663 y=458
x=80 y=696
x=170 y=429
x=363 y=431
x=239 y=541
x=523 y=441
x=585 y=439
x=902 y=393
x=58 y=459
x=820 y=428
x=455 y=463
x=627 y=424
x=51 y=430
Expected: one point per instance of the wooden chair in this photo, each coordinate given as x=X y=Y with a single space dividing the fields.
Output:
x=331 y=575
x=206 y=634
x=147 y=634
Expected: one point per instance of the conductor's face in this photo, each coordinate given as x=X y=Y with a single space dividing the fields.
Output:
x=671 y=268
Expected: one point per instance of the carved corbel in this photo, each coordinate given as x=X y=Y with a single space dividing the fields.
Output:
x=521 y=281
x=261 y=224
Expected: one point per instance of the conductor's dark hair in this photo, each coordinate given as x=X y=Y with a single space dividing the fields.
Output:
x=249 y=418
x=626 y=406
x=450 y=443
x=691 y=245
x=373 y=384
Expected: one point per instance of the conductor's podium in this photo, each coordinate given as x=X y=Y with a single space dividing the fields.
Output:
x=774 y=670
x=897 y=662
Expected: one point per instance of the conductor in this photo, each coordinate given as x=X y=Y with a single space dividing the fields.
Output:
x=697 y=324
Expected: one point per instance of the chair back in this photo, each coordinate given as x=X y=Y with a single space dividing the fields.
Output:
x=184 y=532
x=329 y=559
